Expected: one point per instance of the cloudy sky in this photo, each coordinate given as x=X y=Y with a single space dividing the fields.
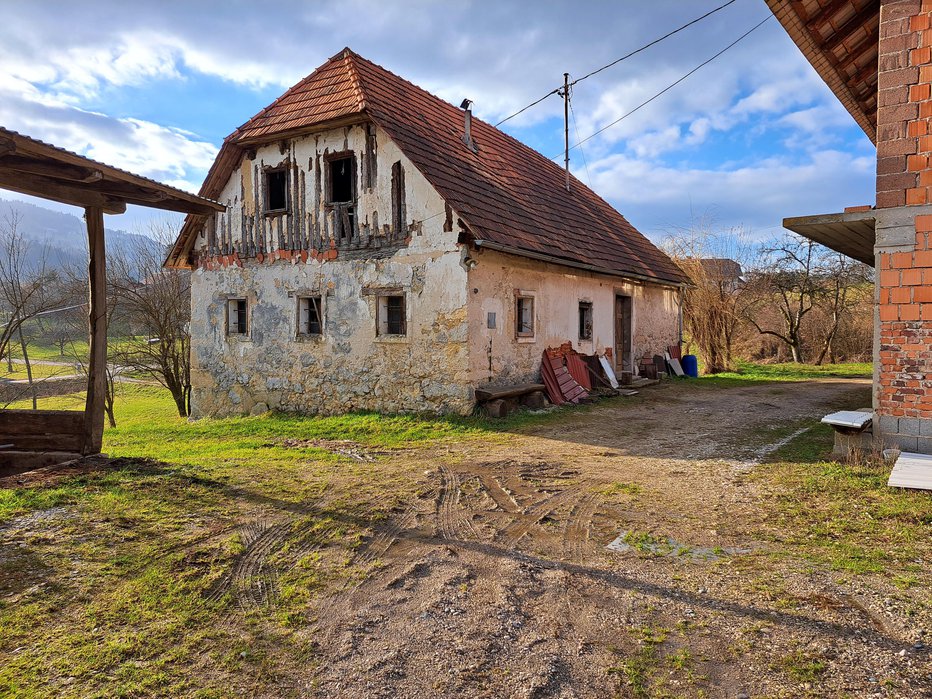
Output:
x=750 y=138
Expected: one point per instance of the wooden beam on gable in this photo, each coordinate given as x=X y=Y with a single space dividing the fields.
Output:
x=47 y=188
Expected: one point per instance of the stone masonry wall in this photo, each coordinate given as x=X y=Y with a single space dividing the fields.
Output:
x=349 y=366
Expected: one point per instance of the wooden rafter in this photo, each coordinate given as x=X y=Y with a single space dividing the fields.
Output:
x=868 y=15
x=817 y=21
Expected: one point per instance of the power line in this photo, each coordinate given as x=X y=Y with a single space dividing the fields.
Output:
x=618 y=60
x=671 y=85
x=582 y=152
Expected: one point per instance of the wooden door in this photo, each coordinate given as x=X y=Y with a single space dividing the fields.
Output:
x=622 y=333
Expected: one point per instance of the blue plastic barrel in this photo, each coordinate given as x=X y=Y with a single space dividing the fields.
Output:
x=690 y=365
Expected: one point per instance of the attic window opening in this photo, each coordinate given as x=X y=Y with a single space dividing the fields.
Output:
x=341 y=179
x=276 y=190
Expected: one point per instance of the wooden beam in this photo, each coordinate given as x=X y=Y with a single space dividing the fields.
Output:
x=817 y=21
x=6 y=147
x=59 y=171
x=55 y=190
x=97 y=329
x=866 y=46
x=852 y=25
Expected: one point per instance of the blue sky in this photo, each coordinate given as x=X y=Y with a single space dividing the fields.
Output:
x=750 y=138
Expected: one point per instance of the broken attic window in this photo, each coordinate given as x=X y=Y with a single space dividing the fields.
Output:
x=310 y=318
x=525 y=316
x=398 y=199
x=585 y=320
x=237 y=317
x=391 y=314
x=340 y=172
x=276 y=190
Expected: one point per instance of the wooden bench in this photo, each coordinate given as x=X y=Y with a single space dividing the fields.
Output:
x=498 y=401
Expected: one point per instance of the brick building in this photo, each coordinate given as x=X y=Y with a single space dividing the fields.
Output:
x=877 y=59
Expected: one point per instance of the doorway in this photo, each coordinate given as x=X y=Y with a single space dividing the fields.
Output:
x=622 y=333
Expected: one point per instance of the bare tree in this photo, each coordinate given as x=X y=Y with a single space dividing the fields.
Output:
x=786 y=280
x=28 y=288
x=156 y=303
x=712 y=262
x=844 y=285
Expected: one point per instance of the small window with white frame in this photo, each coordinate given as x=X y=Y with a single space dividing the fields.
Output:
x=237 y=317
x=392 y=315
x=524 y=316
x=310 y=316
x=585 y=320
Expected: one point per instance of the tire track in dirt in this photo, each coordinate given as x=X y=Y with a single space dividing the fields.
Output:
x=523 y=524
x=452 y=523
x=576 y=530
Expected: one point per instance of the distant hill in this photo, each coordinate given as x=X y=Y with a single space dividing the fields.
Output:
x=64 y=234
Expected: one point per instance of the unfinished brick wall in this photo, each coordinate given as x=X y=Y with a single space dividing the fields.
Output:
x=904 y=179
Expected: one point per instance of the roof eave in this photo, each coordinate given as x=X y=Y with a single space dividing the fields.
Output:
x=641 y=278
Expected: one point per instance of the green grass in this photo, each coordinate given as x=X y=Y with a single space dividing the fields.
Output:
x=766 y=373
x=39 y=371
x=844 y=515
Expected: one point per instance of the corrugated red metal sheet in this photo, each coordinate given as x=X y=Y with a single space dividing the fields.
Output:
x=578 y=370
x=506 y=193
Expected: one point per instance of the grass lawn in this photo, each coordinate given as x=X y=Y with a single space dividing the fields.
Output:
x=113 y=582
x=750 y=373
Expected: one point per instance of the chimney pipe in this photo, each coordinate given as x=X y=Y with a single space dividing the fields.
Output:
x=466 y=105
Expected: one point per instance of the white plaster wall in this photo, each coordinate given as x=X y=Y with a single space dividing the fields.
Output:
x=349 y=367
x=493 y=284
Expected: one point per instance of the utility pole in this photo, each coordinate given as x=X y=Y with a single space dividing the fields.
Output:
x=566 y=127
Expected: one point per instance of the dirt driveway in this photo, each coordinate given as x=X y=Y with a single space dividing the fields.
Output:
x=498 y=580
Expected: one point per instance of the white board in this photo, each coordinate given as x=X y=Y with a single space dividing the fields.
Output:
x=848 y=418
x=674 y=364
x=912 y=471
x=607 y=368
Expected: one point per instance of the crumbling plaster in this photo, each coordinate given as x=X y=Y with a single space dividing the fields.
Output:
x=494 y=284
x=349 y=366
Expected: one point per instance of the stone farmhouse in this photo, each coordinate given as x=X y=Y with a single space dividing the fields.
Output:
x=381 y=249
x=877 y=59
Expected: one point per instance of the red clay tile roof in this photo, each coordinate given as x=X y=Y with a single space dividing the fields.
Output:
x=507 y=194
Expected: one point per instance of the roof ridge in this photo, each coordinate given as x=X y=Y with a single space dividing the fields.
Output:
x=349 y=57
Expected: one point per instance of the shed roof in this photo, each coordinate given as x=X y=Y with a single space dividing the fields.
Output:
x=509 y=196
x=851 y=233
x=840 y=39
x=30 y=166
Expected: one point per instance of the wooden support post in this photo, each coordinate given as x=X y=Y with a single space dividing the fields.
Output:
x=97 y=321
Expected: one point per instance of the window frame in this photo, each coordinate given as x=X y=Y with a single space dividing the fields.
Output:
x=585 y=307
x=318 y=302
x=242 y=316
x=330 y=159
x=266 y=173
x=531 y=333
x=382 y=328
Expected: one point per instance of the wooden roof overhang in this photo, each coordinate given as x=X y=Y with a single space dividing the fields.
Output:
x=850 y=233
x=840 y=39
x=29 y=166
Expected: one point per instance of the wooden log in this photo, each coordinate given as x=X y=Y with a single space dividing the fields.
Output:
x=500 y=392
x=97 y=327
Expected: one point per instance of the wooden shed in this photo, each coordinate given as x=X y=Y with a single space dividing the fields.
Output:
x=36 y=438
